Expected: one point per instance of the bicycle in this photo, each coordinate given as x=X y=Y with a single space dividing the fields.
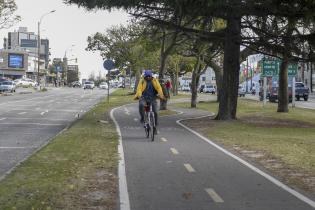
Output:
x=149 y=121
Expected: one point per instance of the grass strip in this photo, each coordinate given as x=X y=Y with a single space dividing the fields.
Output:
x=76 y=170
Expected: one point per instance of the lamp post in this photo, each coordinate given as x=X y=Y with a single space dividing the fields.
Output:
x=39 y=43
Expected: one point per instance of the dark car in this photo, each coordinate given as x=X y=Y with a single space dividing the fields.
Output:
x=301 y=91
x=201 y=88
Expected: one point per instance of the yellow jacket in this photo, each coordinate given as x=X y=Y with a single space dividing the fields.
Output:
x=143 y=84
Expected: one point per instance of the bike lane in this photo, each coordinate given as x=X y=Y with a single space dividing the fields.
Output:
x=180 y=170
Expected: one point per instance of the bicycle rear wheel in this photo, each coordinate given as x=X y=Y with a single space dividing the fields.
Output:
x=147 y=130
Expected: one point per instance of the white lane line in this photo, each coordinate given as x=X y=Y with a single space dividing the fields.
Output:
x=262 y=173
x=48 y=119
x=136 y=119
x=123 y=188
x=16 y=147
x=189 y=168
x=21 y=113
x=174 y=151
x=215 y=197
x=163 y=139
x=44 y=124
x=127 y=111
x=46 y=111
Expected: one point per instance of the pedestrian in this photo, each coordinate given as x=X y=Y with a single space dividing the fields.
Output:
x=168 y=86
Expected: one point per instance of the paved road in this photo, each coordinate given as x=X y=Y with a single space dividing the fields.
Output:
x=28 y=121
x=310 y=104
x=182 y=171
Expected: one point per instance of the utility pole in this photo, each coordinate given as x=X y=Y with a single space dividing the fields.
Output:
x=39 y=43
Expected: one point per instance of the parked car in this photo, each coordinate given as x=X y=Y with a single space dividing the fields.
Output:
x=185 y=88
x=241 y=91
x=121 y=86
x=301 y=91
x=25 y=82
x=7 y=86
x=103 y=85
x=209 y=89
x=88 y=85
x=201 y=88
x=76 y=84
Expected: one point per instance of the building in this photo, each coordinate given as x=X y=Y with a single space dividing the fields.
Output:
x=25 y=41
x=208 y=77
x=72 y=73
x=13 y=64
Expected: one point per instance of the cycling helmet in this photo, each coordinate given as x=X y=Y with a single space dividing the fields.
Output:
x=147 y=73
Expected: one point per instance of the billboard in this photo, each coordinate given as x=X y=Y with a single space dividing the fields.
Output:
x=15 y=60
x=30 y=43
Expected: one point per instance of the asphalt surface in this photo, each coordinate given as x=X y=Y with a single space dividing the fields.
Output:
x=310 y=104
x=181 y=171
x=29 y=121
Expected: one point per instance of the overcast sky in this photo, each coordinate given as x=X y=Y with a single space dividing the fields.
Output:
x=67 y=26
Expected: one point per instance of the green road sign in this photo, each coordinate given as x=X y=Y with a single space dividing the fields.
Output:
x=271 y=67
x=292 y=69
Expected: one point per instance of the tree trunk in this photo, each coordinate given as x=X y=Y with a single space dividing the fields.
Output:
x=231 y=68
x=218 y=71
x=283 y=98
x=194 y=85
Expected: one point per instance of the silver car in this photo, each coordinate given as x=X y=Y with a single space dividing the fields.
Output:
x=7 y=86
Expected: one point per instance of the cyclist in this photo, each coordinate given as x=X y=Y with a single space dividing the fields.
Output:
x=147 y=91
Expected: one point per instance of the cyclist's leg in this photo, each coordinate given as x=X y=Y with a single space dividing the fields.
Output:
x=141 y=109
x=154 y=107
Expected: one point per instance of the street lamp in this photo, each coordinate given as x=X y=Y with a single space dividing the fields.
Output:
x=39 y=43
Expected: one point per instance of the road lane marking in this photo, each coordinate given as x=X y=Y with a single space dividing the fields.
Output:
x=163 y=139
x=189 y=168
x=126 y=111
x=262 y=173
x=174 y=151
x=16 y=147
x=44 y=124
x=24 y=118
x=21 y=113
x=135 y=119
x=123 y=187
x=215 y=197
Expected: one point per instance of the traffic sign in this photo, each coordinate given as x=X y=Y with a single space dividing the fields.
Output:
x=58 y=68
x=271 y=67
x=109 y=64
